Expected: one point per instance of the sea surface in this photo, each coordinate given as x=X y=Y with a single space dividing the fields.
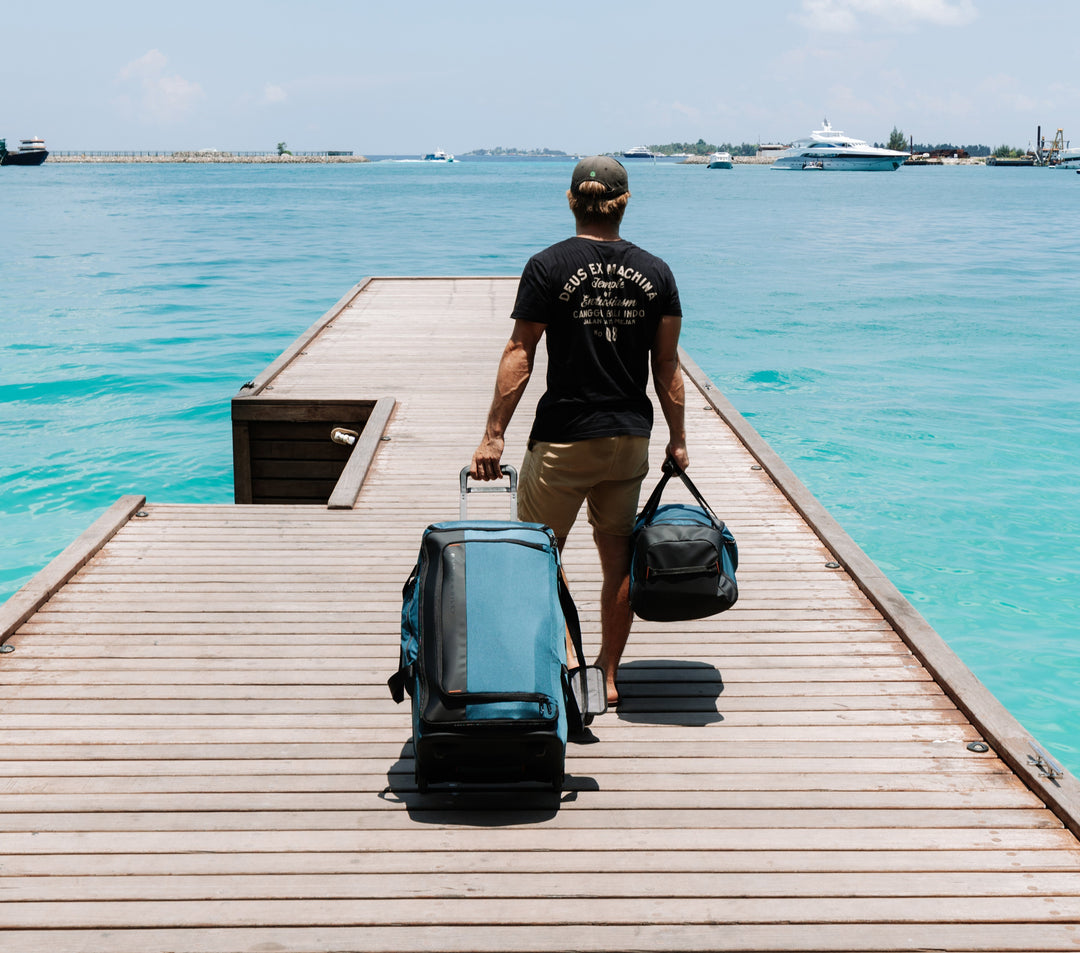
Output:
x=907 y=341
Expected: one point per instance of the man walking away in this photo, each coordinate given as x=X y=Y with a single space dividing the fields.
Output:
x=610 y=311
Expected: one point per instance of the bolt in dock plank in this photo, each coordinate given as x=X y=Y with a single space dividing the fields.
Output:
x=198 y=751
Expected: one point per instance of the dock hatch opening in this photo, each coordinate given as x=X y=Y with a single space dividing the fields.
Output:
x=283 y=452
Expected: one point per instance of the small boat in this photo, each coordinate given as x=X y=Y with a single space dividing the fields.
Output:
x=830 y=149
x=30 y=152
x=721 y=160
x=638 y=152
x=439 y=156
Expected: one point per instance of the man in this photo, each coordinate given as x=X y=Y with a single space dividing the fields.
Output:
x=610 y=310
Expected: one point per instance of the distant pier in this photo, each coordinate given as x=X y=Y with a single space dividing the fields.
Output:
x=209 y=156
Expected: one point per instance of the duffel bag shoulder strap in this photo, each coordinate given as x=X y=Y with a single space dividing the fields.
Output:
x=573 y=624
x=401 y=680
x=575 y=721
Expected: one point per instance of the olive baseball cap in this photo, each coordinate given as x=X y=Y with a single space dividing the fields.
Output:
x=603 y=169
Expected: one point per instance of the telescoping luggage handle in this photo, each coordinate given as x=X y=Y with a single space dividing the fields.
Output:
x=670 y=469
x=466 y=489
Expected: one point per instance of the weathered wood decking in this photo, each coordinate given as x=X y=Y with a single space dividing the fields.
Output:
x=198 y=751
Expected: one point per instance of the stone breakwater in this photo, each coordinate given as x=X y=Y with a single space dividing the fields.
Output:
x=204 y=157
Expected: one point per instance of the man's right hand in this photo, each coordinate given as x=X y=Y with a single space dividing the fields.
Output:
x=486 y=461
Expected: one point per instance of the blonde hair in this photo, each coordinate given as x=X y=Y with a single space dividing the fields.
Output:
x=588 y=203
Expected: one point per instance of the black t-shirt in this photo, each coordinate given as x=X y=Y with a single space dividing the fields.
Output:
x=602 y=303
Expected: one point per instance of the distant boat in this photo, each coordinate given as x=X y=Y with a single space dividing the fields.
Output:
x=830 y=149
x=30 y=152
x=439 y=156
x=638 y=152
x=721 y=160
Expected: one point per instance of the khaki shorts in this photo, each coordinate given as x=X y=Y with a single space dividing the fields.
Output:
x=606 y=471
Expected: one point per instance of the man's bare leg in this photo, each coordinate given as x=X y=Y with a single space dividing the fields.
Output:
x=615 y=615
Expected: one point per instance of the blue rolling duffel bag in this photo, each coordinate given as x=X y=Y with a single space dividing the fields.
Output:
x=683 y=558
x=484 y=619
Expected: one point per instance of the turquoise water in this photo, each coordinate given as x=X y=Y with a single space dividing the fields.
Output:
x=906 y=341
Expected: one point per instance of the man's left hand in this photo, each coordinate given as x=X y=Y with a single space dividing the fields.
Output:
x=677 y=451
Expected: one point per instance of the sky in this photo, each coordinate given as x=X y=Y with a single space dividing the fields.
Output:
x=404 y=78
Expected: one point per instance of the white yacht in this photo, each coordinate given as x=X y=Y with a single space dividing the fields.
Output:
x=721 y=160
x=638 y=152
x=830 y=149
x=439 y=156
x=30 y=152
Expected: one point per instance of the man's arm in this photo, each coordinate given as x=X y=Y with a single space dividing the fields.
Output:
x=515 y=368
x=668 y=380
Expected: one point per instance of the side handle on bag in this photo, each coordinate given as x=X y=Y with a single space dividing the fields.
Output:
x=400 y=682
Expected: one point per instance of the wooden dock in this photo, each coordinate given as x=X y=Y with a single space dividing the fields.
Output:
x=198 y=751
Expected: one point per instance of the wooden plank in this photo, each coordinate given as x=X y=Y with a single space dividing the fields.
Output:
x=455 y=837
x=798 y=938
x=566 y=863
x=598 y=885
x=945 y=790
x=259 y=793
x=875 y=825
x=292 y=419
x=560 y=911
x=241 y=442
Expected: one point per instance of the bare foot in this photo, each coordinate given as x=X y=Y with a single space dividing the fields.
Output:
x=610 y=672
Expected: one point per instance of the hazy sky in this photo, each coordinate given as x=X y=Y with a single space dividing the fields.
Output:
x=412 y=76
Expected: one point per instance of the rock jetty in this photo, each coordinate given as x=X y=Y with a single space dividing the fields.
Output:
x=205 y=156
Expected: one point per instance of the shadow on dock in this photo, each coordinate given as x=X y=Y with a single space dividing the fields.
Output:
x=496 y=805
x=670 y=692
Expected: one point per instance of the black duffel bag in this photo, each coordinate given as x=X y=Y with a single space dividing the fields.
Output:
x=683 y=559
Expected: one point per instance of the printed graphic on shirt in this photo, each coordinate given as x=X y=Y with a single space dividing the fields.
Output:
x=602 y=296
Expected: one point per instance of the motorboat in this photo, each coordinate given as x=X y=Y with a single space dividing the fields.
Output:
x=439 y=156
x=30 y=152
x=721 y=160
x=638 y=152
x=829 y=149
